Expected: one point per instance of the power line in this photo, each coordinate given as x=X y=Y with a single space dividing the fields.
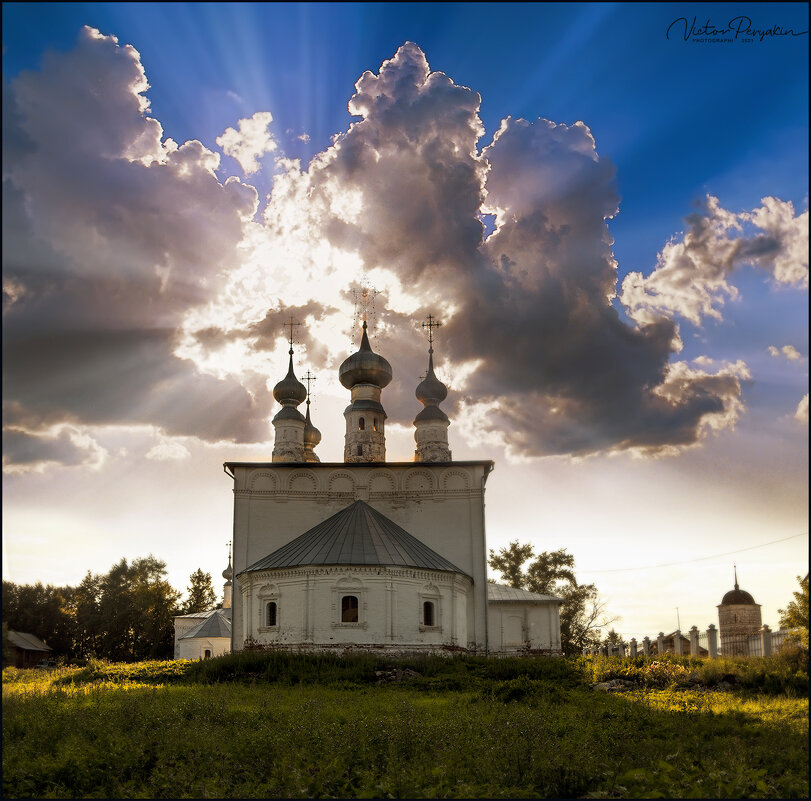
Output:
x=688 y=561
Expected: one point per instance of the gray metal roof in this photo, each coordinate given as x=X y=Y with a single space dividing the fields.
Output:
x=215 y=625
x=502 y=592
x=27 y=642
x=357 y=535
x=201 y=615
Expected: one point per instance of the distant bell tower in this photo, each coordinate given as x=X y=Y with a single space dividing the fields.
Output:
x=365 y=374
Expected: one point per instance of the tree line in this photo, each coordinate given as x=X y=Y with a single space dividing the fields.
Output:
x=124 y=615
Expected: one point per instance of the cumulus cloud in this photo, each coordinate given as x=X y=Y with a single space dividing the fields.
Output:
x=111 y=233
x=404 y=189
x=690 y=279
x=788 y=351
x=250 y=142
x=139 y=287
x=802 y=410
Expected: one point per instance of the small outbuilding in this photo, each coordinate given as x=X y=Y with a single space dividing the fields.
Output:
x=210 y=636
x=28 y=649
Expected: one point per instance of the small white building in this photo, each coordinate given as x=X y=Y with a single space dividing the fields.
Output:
x=519 y=620
x=207 y=637
x=201 y=635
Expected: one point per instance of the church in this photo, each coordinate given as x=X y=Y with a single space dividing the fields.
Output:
x=366 y=553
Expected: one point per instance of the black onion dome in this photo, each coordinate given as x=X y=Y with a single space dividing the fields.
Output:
x=431 y=389
x=290 y=390
x=365 y=367
x=737 y=596
x=312 y=436
x=228 y=573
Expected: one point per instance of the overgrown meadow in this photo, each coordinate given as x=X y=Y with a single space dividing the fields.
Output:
x=284 y=725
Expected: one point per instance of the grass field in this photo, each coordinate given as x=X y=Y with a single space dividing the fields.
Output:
x=266 y=725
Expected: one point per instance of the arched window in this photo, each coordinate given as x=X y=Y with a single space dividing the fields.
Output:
x=360 y=450
x=349 y=609
x=206 y=654
x=428 y=613
x=271 y=614
x=361 y=424
x=374 y=424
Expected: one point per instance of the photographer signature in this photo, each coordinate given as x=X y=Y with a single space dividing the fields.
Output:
x=740 y=26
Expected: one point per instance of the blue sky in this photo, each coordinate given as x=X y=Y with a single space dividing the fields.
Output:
x=678 y=119
x=672 y=122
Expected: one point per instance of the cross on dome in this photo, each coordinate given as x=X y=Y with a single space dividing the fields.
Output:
x=431 y=325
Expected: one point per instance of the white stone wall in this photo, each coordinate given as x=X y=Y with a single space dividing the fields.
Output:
x=183 y=625
x=516 y=625
x=196 y=647
x=441 y=505
x=390 y=609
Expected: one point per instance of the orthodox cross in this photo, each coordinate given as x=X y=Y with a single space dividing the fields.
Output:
x=364 y=298
x=291 y=323
x=431 y=325
x=308 y=378
x=229 y=550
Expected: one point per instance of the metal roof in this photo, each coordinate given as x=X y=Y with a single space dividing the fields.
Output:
x=28 y=642
x=502 y=592
x=201 y=615
x=357 y=535
x=215 y=625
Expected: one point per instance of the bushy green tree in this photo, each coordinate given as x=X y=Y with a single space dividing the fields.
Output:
x=552 y=573
x=201 y=593
x=42 y=610
x=795 y=615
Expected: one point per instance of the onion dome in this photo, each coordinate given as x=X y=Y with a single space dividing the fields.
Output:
x=312 y=436
x=431 y=390
x=737 y=596
x=228 y=573
x=365 y=367
x=290 y=391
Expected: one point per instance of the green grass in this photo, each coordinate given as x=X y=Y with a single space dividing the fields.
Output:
x=275 y=725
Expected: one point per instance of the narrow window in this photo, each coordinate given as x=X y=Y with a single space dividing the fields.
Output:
x=361 y=424
x=374 y=424
x=349 y=609
x=428 y=613
x=360 y=450
x=271 y=616
x=206 y=654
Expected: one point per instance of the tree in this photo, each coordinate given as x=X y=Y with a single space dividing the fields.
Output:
x=42 y=610
x=201 y=593
x=136 y=611
x=552 y=573
x=795 y=615
x=614 y=640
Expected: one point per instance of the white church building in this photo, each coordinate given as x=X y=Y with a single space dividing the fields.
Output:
x=370 y=554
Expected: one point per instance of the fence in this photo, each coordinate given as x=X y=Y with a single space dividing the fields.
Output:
x=764 y=642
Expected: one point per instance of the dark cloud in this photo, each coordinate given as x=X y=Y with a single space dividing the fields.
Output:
x=532 y=303
x=23 y=450
x=113 y=237
x=110 y=235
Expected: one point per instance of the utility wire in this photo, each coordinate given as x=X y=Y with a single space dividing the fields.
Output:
x=688 y=561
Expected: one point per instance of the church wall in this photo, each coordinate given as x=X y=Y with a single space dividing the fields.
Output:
x=390 y=609
x=440 y=504
x=515 y=625
x=196 y=647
